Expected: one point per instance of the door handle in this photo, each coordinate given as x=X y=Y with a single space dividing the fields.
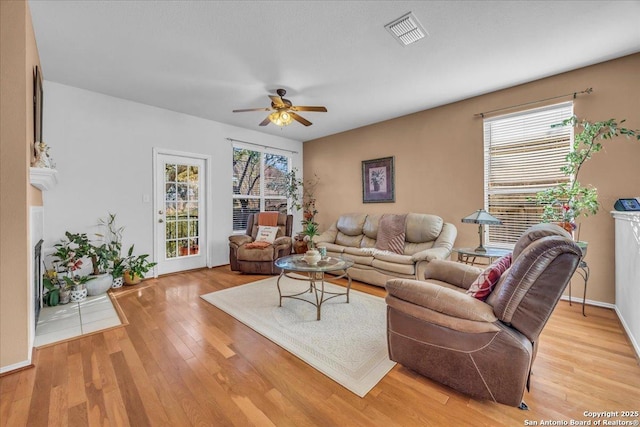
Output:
x=160 y=212
x=161 y=220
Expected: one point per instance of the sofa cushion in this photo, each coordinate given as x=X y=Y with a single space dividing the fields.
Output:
x=423 y=227
x=351 y=224
x=347 y=240
x=367 y=242
x=391 y=233
x=393 y=267
x=332 y=247
x=358 y=255
x=414 y=248
x=370 y=227
x=245 y=254
x=486 y=281
x=391 y=257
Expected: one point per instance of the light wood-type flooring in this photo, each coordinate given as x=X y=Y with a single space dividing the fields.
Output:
x=181 y=362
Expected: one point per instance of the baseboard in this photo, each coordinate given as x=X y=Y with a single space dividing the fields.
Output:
x=578 y=300
x=10 y=369
x=632 y=339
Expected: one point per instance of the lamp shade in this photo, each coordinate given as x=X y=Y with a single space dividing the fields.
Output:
x=481 y=217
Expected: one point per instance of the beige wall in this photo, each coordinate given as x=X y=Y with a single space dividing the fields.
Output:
x=439 y=159
x=18 y=56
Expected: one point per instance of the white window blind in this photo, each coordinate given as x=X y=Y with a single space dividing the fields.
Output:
x=523 y=154
x=259 y=179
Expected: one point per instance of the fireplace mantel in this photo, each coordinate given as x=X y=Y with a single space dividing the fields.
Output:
x=43 y=178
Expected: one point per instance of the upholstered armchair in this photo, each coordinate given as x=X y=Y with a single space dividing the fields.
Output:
x=259 y=260
x=484 y=349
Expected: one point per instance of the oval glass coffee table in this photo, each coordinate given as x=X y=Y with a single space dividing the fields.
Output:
x=314 y=274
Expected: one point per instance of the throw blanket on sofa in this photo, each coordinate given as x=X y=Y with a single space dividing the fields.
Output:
x=268 y=218
x=391 y=233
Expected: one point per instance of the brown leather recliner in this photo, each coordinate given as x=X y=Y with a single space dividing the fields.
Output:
x=260 y=260
x=483 y=349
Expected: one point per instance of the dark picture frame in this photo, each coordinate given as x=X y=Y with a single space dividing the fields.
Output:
x=378 y=180
x=37 y=105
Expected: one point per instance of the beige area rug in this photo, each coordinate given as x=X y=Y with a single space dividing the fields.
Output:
x=348 y=345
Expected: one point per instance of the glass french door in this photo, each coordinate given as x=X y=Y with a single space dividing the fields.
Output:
x=180 y=213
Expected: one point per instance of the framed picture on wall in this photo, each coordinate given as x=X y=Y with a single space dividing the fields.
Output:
x=37 y=105
x=378 y=181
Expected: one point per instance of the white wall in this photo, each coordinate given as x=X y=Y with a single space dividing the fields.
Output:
x=102 y=147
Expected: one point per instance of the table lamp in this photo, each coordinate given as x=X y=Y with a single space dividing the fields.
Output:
x=481 y=217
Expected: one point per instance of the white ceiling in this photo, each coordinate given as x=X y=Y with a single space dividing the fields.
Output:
x=206 y=58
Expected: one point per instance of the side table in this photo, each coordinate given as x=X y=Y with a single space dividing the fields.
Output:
x=469 y=255
x=583 y=271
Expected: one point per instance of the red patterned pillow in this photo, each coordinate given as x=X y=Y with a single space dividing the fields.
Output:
x=483 y=285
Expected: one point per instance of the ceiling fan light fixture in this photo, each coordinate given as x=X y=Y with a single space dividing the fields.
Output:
x=281 y=118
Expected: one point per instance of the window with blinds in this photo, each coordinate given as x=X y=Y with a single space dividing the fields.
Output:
x=259 y=180
x=523 y=154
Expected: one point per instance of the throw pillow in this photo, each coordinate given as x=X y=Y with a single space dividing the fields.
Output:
x=266 y=234
x=391 y=233
x=484 y=284
x=257 y=245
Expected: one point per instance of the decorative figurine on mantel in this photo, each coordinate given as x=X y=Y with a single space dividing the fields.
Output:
x=42 y=159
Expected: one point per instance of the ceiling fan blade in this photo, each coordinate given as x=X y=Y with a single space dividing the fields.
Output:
x=306 y=108
x=265 y=121
x=300 y=119
x=277 y=101
x=252 y=109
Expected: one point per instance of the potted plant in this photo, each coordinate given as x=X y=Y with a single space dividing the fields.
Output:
x=312 y=256
x=567 y=201
x=301 y=196
x=183 y=249
x=69 y=255
x=112 y=249
x=77 y=285
x=117 y=271
x=135 y=267
x=52 y=297
x=100 y=256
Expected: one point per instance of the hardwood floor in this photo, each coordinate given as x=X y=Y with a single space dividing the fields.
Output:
x=180 y=362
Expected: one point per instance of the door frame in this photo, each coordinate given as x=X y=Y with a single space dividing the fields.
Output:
x=208 y=201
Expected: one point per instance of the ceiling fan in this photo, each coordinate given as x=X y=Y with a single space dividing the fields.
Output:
x=284 y=112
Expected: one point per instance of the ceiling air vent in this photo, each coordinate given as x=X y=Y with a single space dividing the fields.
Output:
x=406 y=29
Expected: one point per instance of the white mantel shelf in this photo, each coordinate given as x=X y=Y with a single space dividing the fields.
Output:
x=43 y=178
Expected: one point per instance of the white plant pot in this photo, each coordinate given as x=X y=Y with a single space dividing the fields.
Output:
x=117 y=282
x=78 y=293
x=99 y=284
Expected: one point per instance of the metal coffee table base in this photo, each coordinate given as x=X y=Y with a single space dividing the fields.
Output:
x=316 y=285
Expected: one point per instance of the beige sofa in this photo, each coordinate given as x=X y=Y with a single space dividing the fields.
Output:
x=353 y=236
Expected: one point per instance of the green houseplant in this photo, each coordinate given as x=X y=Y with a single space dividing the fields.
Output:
x=301 y=195
x=112 y=248
x=312 y=256
x=567 y=201
x=135 y=267
x=309 y=231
